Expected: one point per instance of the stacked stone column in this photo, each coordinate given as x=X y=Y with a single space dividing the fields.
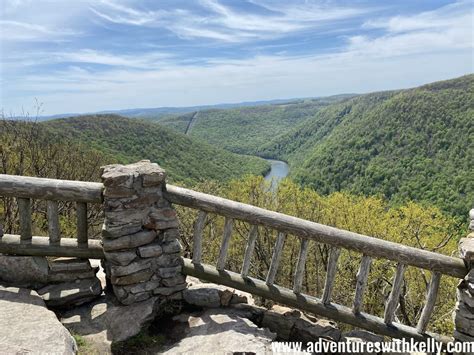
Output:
x=140 y=234
x=464 y=313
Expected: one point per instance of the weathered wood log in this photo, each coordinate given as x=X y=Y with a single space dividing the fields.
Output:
x=392 y=302
x=430 y=303
x=306 y=303
x=197 y=236
x=50 y=189
x=330 y=274
x=225 y=244
x=272 y=271
x=249 y=250
x=370 y=246
x=81 y=212
x=53 y=221
x=40 y=246
x=361 y=283
x=300 y=266
x=24 y=212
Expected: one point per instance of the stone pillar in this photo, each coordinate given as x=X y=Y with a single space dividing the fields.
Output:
x=140 y=234
x=464 y=313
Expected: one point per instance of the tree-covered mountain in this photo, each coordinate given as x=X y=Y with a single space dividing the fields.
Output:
x=414 y=144
x=244 y=130
x=129 y=140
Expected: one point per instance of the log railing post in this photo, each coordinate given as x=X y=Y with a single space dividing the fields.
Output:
x=24 y=208
x=197 y=237
x=272 y=272
x=249 y=250
x=140 y=234
x=82 y=233
x=54 y=232
x=392 y=302
x=464 y=312
x=330 y=274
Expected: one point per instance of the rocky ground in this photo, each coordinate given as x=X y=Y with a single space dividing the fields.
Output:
x=212 y=319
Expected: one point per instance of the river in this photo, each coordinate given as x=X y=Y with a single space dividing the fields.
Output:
x=279 y=170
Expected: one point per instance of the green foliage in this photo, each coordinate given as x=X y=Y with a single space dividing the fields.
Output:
x=410 y=224
x=414 y=144
x=178 y=123
x=130 y=140
x=407 y=145
x=244 y=130
x=83 y=346
x=26 y=148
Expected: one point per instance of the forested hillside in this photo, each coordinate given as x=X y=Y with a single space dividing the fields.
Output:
x=407 y=145
x=410 y=144
x=244 y=130
x=129 y=140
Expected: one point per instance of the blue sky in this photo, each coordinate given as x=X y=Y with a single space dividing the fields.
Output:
x=83 y=56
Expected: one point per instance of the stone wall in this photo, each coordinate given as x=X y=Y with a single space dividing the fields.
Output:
x=140 y=234
x=464 y=313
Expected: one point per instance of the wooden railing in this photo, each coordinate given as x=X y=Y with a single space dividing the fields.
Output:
x=308 y=232
x=27 y=188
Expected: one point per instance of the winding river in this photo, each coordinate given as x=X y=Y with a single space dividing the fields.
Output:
x=279 y=170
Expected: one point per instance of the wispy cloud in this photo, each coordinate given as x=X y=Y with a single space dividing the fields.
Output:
x=221 y=22
x=264 y=77
x=121 y=53
x=17 y=31
x=445 y=17
x=448 y=28
x=145 y=61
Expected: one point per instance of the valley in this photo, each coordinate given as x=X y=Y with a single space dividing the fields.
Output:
x=394 y=165
x=218 y=176
x=405 y=145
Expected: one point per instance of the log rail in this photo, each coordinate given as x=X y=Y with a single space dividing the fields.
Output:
x=318 y=232
x=27 y=188
x=337 y=239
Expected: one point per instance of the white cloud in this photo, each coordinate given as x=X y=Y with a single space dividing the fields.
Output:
x=30 y=59
x=448 y=28
x=410 y=51
x=144 y=61
x=222 y=23
x=34 y=21
x=17 y=31
x=445 y=17
x=264 y=77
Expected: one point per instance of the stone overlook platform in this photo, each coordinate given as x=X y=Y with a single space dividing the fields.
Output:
x=138 y=277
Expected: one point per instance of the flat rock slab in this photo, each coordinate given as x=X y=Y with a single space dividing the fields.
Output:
x=210 y=295
x=73 y=293
x=69 y=264
x=105 y=320
x=90 y=321
x=24 y=271
x=28 y=327
x=220 y=331
x=293 y=325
